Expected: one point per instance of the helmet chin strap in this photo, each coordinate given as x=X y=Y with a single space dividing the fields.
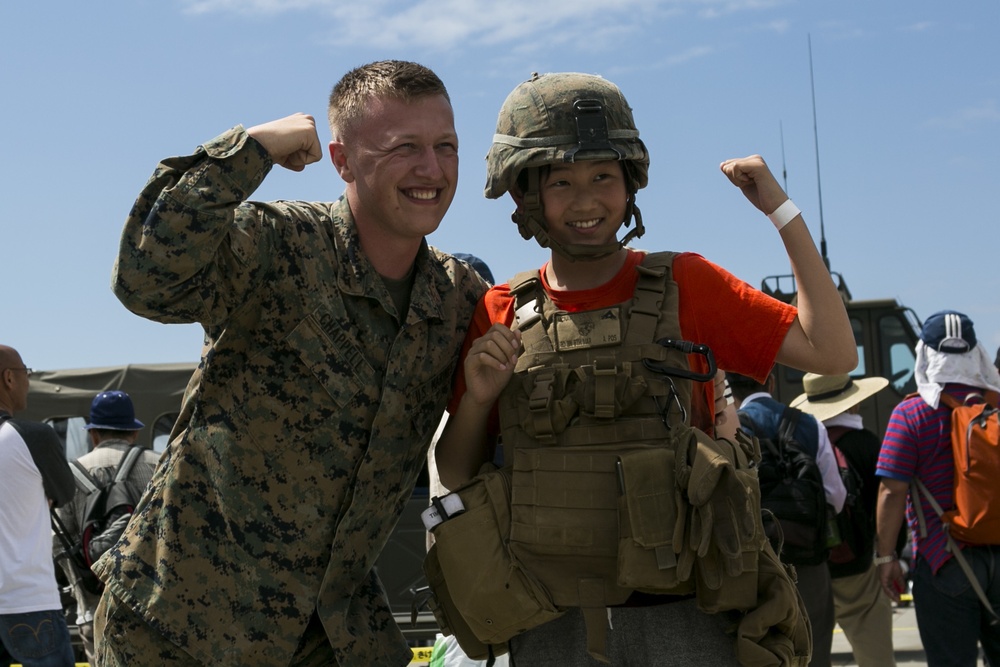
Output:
x=530 y=220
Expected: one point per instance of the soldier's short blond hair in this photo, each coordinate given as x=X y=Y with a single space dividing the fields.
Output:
x=396 y=79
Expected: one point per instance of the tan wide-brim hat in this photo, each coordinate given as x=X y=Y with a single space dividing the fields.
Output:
x=827 y=396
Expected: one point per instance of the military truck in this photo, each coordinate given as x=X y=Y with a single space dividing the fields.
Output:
x=62 y=398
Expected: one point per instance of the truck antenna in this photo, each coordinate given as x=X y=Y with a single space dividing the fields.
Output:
x=784 y=170
x=819 y=186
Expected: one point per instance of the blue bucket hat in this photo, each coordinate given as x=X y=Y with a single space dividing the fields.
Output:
x=478 y=264
x=949 y=331
x=113 y=411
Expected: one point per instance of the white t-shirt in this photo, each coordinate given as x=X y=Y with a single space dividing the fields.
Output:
x=27 y=573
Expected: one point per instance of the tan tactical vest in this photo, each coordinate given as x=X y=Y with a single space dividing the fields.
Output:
x=587 y=423
x=610 y=490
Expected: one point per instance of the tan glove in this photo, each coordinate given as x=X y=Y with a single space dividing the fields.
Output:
x=724 y=511
x=776 y=633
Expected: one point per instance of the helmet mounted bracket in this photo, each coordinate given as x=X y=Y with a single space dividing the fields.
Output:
x=591 y=130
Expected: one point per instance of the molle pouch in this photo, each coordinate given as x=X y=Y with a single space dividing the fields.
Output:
x=472 y=573
x=647 y=514
x=564 y=520
x=551 y=405
x=448 y=618
x=608 y=390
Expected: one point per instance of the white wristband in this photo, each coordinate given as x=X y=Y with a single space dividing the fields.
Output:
x=782 y=215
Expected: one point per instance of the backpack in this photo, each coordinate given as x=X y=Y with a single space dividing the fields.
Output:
x=855 y=524
x=106 y=513
x=975 y=444
x=791 y=489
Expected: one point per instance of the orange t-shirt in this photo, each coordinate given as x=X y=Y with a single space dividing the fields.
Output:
x=743 y=326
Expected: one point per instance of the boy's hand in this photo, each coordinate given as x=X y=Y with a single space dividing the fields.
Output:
x=490 y=363
x=752 y=175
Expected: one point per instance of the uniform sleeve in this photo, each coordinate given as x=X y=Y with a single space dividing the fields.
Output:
x=191 y=248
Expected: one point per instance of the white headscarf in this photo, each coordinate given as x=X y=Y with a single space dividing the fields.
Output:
x=934 y=369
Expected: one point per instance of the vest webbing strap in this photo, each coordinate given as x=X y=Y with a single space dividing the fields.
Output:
x=647 y=300
x=538 y=404
x=649 y=429
x=605 y=370
x=631 y=353
x=595 y=617
x=598 y=542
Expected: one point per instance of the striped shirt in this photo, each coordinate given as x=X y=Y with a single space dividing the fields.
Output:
x=917 y=443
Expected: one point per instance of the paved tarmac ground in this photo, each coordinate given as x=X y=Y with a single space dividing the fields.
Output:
x=905 y=642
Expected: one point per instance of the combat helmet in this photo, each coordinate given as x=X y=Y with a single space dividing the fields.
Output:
x=564 y=117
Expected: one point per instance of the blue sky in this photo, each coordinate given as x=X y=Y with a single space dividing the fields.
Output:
x=908 y=108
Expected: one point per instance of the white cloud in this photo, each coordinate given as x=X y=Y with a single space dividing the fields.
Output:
x=961 y=119
x=446 y=24
x=922 y=26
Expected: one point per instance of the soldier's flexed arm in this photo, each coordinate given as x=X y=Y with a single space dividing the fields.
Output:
x=291 y=141
x=489 y=365
x=191 y=249
x=820 y=339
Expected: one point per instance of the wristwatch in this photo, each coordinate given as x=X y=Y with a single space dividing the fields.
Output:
x=882 y=560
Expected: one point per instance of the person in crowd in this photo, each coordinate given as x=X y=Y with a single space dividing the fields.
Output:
x=35 y=477
x=583 y=351
x=754 y=399
x=952 y=621
x=863 y=612
x=331 y=328
x=112 y=430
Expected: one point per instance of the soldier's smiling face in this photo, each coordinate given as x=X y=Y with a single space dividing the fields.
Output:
x=403 y=166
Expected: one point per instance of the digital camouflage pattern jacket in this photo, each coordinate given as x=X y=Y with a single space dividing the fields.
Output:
x=304 y=428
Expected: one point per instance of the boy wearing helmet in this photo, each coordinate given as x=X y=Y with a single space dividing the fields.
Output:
x=537 y=362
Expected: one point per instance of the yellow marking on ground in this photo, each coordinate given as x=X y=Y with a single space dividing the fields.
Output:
x=421 y=655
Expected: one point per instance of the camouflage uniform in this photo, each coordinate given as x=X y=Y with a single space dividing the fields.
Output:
x=305 y=427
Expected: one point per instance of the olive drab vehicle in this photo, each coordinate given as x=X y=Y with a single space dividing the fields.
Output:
x=62 y=398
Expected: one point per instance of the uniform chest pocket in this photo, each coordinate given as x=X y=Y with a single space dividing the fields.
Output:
x=332 y=358
x=301 y=386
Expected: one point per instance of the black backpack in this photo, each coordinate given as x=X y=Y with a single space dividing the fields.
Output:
x=792 y=495
x=856 y=525
x=106 y=514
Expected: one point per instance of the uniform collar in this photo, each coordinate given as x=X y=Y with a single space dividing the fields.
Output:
x=356 y=275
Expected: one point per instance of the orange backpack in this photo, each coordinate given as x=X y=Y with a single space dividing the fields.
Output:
x=975 y=444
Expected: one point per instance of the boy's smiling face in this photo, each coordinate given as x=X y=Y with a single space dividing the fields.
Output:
x=584 y=202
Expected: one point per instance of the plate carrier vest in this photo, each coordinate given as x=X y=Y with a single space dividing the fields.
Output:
x=588 y=425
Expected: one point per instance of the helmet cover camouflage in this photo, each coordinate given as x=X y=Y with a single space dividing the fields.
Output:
x=563 y=117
